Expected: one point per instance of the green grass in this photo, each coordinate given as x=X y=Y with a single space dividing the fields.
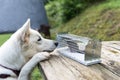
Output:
x=99 y=21
x=3 y=38
x=36 y=73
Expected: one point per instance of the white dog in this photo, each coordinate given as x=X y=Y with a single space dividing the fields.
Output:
x=20 y=53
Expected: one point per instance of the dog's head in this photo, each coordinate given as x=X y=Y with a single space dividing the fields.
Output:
x=31 y=42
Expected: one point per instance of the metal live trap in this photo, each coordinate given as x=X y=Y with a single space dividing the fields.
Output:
x=82 y=49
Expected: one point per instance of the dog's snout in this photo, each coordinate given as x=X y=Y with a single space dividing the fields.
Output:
x=56 y=44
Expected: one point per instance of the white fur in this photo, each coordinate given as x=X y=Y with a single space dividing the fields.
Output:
x=23 y=51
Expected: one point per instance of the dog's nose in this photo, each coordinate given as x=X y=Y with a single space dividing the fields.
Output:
x=56 y=44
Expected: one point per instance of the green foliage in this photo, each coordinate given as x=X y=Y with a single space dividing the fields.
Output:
x=61 y=11
x=36 y=74
x=71 y=8
x=54 y=17
x=91 y=1
x=100 y=21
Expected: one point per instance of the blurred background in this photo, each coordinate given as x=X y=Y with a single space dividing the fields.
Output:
x=98 y=19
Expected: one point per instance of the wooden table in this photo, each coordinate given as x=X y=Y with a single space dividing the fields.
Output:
x=62 y=68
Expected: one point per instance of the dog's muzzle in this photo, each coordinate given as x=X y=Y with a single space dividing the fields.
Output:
x=55 y=43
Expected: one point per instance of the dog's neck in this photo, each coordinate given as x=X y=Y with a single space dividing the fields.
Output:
x=10 y=54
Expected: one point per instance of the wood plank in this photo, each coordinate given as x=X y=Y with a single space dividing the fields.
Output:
x=62 y=68
x=113 y=44
x=111 y=56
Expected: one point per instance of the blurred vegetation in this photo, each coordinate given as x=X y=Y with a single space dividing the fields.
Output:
x=61 y=11
x=3 y=38
x=36 y=75
x=98 y=21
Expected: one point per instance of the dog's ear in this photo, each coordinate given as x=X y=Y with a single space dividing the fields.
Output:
x=25 y=31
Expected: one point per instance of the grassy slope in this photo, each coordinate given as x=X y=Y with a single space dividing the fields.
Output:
x=36 y=74
x=100 y=21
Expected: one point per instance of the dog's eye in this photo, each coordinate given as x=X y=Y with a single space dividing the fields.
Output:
x=39 y=39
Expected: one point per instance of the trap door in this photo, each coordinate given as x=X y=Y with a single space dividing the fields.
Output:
x=93 y=50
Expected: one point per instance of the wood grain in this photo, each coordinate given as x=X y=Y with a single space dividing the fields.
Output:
x=62 y=68
x=111 y=56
